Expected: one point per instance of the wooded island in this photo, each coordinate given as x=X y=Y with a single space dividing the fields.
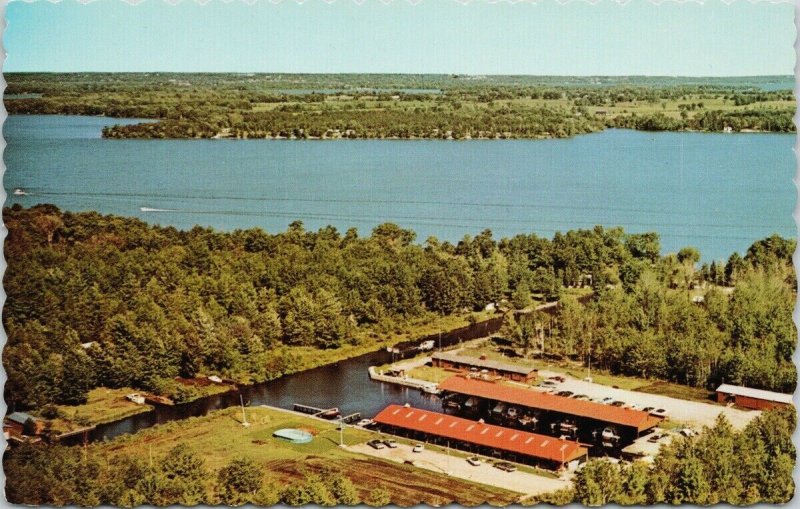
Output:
x=307 y=106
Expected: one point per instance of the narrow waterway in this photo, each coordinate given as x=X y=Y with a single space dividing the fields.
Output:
x=345 y=384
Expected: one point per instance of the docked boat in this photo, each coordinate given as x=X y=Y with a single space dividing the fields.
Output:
x=333 y=413
x=426 y=345
x=430 y=389
x=609 y=434
x=19 y=192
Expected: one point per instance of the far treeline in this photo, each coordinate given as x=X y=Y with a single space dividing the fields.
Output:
x=109 y=301
x=400 y=106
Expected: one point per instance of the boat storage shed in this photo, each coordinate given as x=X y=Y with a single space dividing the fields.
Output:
x=755 y=399
x=481 y=438
x=587 y=415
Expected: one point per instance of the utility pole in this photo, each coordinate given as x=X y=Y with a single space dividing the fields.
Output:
x=447 y=450
x=589 y=373
x=244 y=415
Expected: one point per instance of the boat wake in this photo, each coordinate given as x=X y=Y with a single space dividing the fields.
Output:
x=150 y=209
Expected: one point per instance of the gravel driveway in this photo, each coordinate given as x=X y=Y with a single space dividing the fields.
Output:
x=520 y=482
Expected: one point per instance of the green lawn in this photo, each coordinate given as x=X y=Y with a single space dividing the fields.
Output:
x=678 y=391
x=220 y=437
x=102 y=405
x=430 y=374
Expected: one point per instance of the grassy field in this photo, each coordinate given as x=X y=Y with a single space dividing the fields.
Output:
x=103 y=405
x=220 y=437
x=430 y=374
x=678 y=391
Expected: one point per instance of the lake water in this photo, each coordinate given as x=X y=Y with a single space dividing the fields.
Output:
x=717 y=192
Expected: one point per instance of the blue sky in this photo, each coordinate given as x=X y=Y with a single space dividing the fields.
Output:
x=436 y=36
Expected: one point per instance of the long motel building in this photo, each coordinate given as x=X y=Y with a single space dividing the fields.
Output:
x=477 y=437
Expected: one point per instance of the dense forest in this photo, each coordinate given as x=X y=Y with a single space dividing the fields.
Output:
x=722 y=465
x=398 y=106
x=61 y=476
x=108 y=301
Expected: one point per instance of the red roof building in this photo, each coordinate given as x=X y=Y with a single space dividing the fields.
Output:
x=552 y=451
x=529 y=398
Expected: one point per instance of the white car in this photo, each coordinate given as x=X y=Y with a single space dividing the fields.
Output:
x=660 y=412
x=418 y=448
x=687 y=432
x=474 y=461
x=363 y=423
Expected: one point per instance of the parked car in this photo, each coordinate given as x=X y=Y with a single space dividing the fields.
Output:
x=474 y=461
x=418 y=448
x=512 y=412
x=506 y=466
x=655 y=437
x=618 y=403
x=376 y=444
x=583 y=397
x=648 y=409
x=390 y=443
x=606 y=401
x=547 y=383
x=566 y=394
x=687 y=432
x=365 y=422
x=660 y=412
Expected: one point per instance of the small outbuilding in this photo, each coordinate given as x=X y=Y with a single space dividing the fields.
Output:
x=23 y=424
x=755 y=399
x=466 y=363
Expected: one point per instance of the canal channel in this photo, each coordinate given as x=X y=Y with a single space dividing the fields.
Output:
x=345 y=384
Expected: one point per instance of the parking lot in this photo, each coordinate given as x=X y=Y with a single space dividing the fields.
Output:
x=456 y=466
x=690 y=413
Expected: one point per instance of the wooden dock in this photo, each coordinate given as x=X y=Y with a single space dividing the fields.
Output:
x=414 y=383
x=319 y=413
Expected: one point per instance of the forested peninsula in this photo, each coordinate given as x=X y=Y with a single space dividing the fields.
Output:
x=106 y=301
x=307 y=106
